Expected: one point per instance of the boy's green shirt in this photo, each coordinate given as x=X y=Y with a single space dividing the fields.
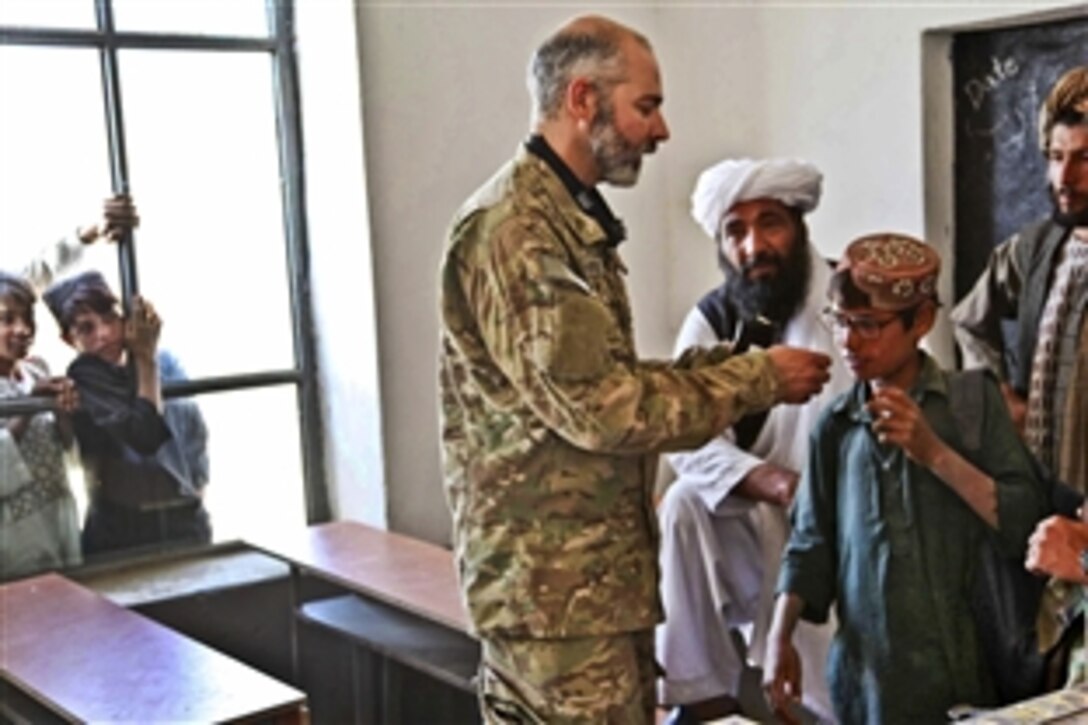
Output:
x=894 y=549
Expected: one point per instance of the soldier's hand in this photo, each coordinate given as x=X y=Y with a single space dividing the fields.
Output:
x=801 y=373
x=118 y=216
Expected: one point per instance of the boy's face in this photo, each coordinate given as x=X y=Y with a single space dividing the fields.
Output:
x=97 y=334
x=877 y=345
x=16 y=333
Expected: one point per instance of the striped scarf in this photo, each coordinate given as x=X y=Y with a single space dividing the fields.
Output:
x=1070 y=279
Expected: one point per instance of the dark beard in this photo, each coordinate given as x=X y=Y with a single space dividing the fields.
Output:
x=1068 y=220
x=777 y=298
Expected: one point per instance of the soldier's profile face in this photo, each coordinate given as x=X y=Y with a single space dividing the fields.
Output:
x=629 y=123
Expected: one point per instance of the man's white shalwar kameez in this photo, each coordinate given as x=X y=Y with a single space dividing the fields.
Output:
x=720 y=553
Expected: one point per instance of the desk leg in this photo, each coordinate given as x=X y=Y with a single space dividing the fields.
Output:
x=295 y=595
x=367 y=669
x=390 y=672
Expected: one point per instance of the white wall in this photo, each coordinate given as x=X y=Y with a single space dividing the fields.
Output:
x=341 y=259
x=445 y=105
x=841 y=86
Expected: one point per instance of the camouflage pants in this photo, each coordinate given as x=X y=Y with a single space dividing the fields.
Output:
x=608 y=679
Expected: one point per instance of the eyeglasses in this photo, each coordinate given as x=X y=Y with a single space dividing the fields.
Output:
x=867 y=328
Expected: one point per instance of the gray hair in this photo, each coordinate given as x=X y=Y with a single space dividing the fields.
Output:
x=592 y=53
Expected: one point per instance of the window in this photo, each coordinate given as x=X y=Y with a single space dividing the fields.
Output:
x=193 y=108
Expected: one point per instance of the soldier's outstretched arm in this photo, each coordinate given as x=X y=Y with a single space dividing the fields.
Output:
x=561 y=346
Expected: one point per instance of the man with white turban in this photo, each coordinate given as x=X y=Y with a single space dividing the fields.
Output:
x=723 y=522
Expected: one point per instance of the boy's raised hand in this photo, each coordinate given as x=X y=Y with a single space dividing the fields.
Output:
x=142 y=329
x=118 y=216
x=898 y=420
x=61 y=389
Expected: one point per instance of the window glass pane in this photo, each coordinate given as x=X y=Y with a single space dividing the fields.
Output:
x=48 y=13
x=205 y=177
x=256 y=486
x=250 y=494
x=54 y=167
x=204 y=17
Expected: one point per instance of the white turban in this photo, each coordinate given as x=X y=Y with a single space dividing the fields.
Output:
x=793 y=182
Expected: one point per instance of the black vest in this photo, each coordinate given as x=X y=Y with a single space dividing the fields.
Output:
x=741 y=334
x=1037 y=258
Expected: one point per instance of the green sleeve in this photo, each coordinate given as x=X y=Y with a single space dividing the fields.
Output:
x=560 y=345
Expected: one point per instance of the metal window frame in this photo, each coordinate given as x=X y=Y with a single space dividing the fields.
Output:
x=279 y=45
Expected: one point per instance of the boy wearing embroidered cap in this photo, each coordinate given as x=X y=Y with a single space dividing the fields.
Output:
x=889 y=516
x=723 y=521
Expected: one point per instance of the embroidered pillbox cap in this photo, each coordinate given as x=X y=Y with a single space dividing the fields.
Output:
x=896 y=271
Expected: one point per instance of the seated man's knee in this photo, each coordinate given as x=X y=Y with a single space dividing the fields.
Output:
x=680 y=507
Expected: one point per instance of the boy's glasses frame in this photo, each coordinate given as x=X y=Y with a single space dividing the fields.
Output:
x=866 y=327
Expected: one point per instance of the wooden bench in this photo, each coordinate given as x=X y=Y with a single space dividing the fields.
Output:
x=69 y=654
x=448 y=656
x=398 y=602
x=408 y=574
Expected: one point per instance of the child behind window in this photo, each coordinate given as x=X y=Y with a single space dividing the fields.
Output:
x=39 y=525
x=145 y=460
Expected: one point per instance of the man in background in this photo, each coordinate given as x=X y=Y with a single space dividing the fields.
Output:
x=1039 y=279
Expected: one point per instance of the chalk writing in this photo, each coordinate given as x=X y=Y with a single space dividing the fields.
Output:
x=1000 y=71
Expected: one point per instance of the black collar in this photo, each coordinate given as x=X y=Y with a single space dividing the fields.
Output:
x=588 y=198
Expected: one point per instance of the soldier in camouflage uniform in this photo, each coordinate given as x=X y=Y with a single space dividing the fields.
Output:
x=550 y=423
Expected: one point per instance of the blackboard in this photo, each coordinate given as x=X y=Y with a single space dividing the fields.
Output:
x=1001 y=78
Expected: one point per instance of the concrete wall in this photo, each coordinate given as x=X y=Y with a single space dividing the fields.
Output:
x=444 y=104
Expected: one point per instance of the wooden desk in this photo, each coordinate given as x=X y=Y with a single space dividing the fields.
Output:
x=87 y=659
x=402 y=609
x=406 y=573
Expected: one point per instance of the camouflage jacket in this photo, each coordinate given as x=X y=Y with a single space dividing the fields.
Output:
x=551 y=424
